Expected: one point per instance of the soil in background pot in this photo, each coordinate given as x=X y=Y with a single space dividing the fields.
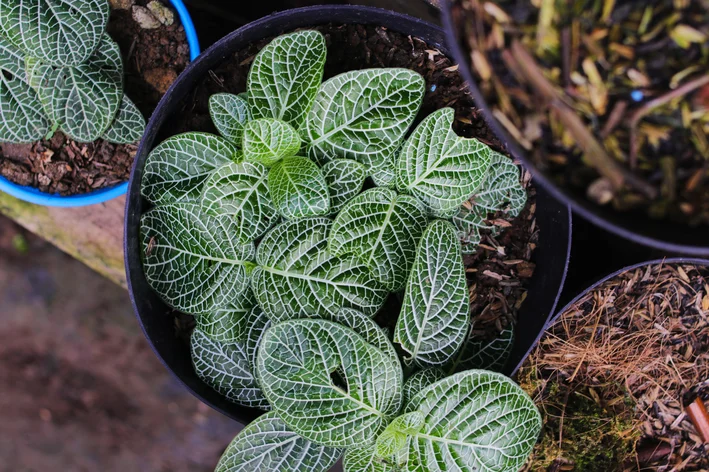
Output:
x=610 y=98
x=498 y=273
x=613 y=374
x=152 y=60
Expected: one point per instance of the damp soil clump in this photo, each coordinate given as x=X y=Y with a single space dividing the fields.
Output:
x=610 y=99
x=614 y=374
x=499 y=271
x=152 y=60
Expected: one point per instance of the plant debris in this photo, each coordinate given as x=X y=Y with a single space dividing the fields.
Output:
x=614 y=374
x=608 y=97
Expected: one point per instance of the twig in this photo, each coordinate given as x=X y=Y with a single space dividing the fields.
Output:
x=644 y=110
x=697 y=412
x=593 y=150
x=614 y=118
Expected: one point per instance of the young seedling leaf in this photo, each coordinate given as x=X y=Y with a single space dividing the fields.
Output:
x=22 y=119
x=345 y=179
x=395 y=436
x=194 y=261
x=241 y=191
x=267 y=445
x=420 y=380
x=439 y=168
x=268 y=141
x=382 y=229
x=364 y=459
x=60 y=33
x=225 y=368
x=327 y=383
x=285 y=77
x=469 y=222
x=298 y=188
x=297 y=276
x=483 y=354
x=363 y=115
x=502 y=189
x=128 y=125
x=434 y=317
x=474 y=420
x=230 y=113
x=176 y=169
x=228 y=324
x=86 y=97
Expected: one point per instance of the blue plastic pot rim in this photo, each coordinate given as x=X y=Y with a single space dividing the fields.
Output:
x=33 y=195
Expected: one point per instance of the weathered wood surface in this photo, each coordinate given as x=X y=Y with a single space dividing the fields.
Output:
x=93 y=234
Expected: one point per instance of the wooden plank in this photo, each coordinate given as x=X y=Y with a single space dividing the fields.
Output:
x=92 y=234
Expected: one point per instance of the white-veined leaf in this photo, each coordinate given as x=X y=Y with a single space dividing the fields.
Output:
x=86 y=97
x=363 y=115
x=12 y=59
x=177 y=167
x=268 y=141
x=434 y=317
x=58 y=32
x=225 y=367
x=194 y=261
x=285 y=77
x=230 y=323
x=41 y=78
x=345 y=179
x=241 y=191
x=469 y=222
x=364 y=459
x=474 y=421
x=298 y=188
x=296 y=362
x=22 y=118
x=382 y=229
x=501 y=189
x=385 y=175
x=484 y=354
x=256 y=324
x=365 y=327
x=128 y=125
x=420 y=380
x=267 y=445
x=395 y=436
x=439 y=168
x=230 y=113
x=297 y=276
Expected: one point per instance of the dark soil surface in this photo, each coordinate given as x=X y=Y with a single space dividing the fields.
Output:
x=498 y=273
x=80 y=389
x=152 y=60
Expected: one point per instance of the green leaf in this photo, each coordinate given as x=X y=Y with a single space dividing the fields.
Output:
x=385 y=175
x=225 y=368
x=12 y=60
x=420 y=380
x=22 y=119
x=230 y=113
x=345 y=179
x=285 y=77
x=60 y=33
x=268 y=141
x=363 y=115
x=439 y=168
x=469 y=222
x=298 y=188
x=194 y=261
x=230 y=323
x=41 y=78
x=434 y=317
x=241 y=191
x=501 y=189
x=394 y=438
x=266 y=444
x=177 y=167
x=86 y=97
x=365 y=327
x=484 y=354
x=382 y=229
x=297 y=276
x=256 y=324
x=474 y=421
x=327 y=383
x=364 y=459
x=128 y=125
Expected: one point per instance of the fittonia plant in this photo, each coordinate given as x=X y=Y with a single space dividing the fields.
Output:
x=266 y=236
x=60 y=70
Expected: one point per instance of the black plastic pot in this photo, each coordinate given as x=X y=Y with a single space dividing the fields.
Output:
x=658 y=234
x=594 y=286
x=156 y=319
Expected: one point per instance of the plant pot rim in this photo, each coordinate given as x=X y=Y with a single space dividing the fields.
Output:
x=612 y=221
x=32 y=195
x=601 y=281
x=146 y=304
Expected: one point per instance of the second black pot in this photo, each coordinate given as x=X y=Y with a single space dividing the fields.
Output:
x=156 y=319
